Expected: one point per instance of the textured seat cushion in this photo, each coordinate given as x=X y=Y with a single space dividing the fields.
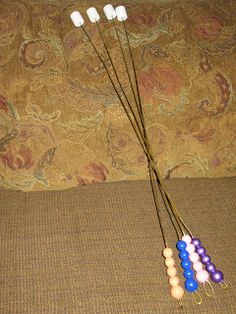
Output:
x=97 y=249
x=61 y=124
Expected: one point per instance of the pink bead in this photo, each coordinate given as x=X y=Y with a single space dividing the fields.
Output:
x=194 y=257
x=197 y=266
x=202 y=276
x=186 y=238
x=190 y=248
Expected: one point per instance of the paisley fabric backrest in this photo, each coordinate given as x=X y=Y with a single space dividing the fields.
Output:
x=61 y=124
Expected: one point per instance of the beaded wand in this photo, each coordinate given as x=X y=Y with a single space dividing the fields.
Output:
x=190 y=249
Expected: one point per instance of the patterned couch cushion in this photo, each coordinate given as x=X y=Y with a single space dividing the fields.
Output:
x=61 y=124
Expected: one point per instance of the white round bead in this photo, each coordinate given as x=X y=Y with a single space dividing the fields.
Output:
x=202 y=276
x=93 y=15
x=77 y=19
x=121 y=13
x=194 y=257
x=186 y=238
x=109 y=12
x=190 y=248
x=197 y=266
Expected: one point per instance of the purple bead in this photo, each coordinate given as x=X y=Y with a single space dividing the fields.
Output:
x=217 y=276
x=201 y=251
x=210 y=268
x=196 y=242
x=206 y=259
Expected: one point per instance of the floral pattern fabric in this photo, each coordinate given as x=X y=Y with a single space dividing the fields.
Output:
x=61 y=124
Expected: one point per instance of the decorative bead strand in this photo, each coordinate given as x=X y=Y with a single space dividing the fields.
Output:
x=216 y=275
x=177 y=291
x=190 y=284
x=202 y=275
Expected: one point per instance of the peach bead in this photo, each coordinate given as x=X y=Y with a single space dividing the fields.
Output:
x=169 y=262
x=186 y=238
x=167 y=252
x=202 y=276
x=190 y=248
x=197 y=266
x=194 y=257
x=177 y=292
x=171 y=271
x=174 y=281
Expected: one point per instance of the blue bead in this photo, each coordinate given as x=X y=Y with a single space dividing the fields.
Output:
x=181 y=245
x=183 y=255
x=186 y=264
x=188 y=273
x=191 y=285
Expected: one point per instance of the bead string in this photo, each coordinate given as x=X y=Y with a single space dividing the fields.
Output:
x=176 y=291
x=192 y=255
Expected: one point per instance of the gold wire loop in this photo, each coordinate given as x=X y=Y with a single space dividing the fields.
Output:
x=196 y=297
x=223 y=285
x=208 y=289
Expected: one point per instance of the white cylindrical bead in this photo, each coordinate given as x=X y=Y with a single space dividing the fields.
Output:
x=77 y=18
x=93 y=15
x=121 y=13
x=109 y=12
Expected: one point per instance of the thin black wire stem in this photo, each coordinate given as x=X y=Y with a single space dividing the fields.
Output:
x=143 y=145
x=174 y=222
x=142 y=128
x=156 y=205
x=117 y=77
x=125 y=62
x=166 y=202
x=139 y=109
x=140 y=114
x=115 y=89
x=134 y=70
x=157 y=174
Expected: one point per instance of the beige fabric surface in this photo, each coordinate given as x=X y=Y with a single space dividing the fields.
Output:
x=97 y=249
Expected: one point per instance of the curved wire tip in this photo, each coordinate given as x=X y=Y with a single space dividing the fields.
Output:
x=197 y=297
x=223 y=285
x=208 y=289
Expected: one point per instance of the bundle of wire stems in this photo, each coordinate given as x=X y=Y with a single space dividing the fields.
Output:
x=134 y=111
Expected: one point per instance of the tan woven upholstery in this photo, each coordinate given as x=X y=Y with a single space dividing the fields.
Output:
x=97 y=249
